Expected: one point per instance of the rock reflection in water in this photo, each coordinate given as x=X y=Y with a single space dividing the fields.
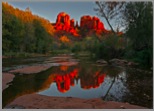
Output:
x=64 y=82
x=93 y=81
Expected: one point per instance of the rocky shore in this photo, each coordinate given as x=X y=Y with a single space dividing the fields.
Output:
x=6 y=78
x=36 y=101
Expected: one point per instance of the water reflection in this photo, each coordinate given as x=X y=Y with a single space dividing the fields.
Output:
x=93 y=81
x=82 y=80
x=64 y=82
x=69 y=80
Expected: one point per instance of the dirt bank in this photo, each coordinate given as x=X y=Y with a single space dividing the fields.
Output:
x=31 y=69
x=36 y=101
x=6 y=78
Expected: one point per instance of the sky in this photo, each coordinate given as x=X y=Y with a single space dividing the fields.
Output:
x=50 y=10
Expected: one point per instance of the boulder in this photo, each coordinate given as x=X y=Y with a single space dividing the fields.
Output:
x=122 y=62
x=118 y=62
x=102 y=61
x=132 y=64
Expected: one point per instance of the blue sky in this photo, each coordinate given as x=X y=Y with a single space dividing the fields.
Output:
x=50 y=10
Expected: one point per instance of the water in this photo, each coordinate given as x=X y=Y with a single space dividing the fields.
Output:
x=84 y=80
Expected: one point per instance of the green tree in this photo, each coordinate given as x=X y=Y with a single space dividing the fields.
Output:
x=43 y=40
x=139 y=16
x=13 y=30
x=28 y=41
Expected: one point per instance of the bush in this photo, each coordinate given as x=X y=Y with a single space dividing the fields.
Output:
x=143 y=57
x=111 y=47
x=76 y=47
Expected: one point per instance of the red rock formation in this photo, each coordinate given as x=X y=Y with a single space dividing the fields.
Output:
x=63 y=22
x=86 y=22
x=72 y=23
x=92 y=23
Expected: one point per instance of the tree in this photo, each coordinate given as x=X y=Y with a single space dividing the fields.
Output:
x=24 y=32
x=29 y=38
x=42 y=38
x=110 y=11
x=12 y=34
x=139 y=16
x=140 y=29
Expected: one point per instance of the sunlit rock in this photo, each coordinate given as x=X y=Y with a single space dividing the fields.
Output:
x=88 y=25
x=64 y=23
x=92 y=23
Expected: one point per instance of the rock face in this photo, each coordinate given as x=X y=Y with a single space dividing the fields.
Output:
x=87 y=22
x=92 y=23
x=64 y=22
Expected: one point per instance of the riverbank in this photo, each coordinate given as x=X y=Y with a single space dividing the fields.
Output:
x=36 y=101
x=6 y=78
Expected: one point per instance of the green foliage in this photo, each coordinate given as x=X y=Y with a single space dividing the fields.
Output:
x=139 y=16
x=140 y=28
x=76 y=47
x=28 y=39
x=143 y=57
x=41 y=37
x=19 y=37
x=12 y=33
x=111 y=47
